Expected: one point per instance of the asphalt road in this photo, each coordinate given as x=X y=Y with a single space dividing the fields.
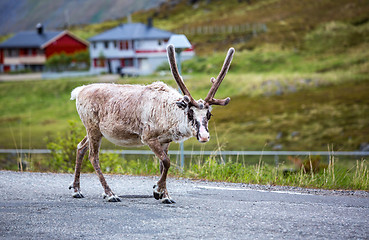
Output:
x=40 y=206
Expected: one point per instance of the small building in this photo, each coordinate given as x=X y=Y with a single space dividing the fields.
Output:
x=132 y=48
x=31 y=49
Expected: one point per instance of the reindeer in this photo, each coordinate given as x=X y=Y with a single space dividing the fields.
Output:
x=134 y=115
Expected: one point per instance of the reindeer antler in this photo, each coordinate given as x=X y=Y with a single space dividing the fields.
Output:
x=210 y=100
x=178 y=78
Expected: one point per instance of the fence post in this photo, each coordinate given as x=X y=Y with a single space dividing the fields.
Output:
x=265 y=28
x=224 y=158
x=254 y=30
x=182 y=156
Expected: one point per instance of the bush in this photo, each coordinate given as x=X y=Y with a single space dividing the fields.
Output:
x=59 y=62
x=64 y=148
x=62 y=62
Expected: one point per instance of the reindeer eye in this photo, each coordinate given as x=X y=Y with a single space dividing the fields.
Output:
x=208 y=115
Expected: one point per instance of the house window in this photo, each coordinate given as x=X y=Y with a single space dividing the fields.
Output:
x=22 y=52
x=99 y=62
x=127 y=62
x=123 y=45
x=106 y=44
x=8 y=53
x=115 y=44
x=94 y=45
x=13 y=52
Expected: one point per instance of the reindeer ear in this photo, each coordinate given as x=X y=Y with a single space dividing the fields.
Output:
x=183 y=104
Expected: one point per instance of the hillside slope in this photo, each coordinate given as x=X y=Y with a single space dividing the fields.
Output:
x=287 y=22
x=215 y=25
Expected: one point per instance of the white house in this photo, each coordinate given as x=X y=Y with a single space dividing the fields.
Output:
x=133 y=47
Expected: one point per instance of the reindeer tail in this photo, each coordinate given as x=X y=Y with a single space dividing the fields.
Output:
x=75 y=92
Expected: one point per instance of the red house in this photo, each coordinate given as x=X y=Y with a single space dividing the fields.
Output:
x=30 y=50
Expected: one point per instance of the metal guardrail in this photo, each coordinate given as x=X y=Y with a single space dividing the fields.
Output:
x=207 y=153
x=223 y=154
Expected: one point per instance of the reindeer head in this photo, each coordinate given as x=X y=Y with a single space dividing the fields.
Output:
x=199 y=112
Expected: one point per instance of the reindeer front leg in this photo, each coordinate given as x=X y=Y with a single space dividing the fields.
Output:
x=95 y=141
x=160 y=189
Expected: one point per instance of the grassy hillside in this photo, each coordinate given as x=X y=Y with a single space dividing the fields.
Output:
x=288 y=22
x=308 y=119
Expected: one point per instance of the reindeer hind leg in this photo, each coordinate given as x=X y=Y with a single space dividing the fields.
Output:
x=82 y=148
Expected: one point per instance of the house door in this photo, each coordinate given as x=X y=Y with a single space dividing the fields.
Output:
x=115 y=66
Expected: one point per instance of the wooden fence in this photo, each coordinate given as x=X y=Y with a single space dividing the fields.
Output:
x=247 y=28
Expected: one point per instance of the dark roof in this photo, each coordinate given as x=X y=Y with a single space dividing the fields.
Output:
x=29 y=39
x=132 y=31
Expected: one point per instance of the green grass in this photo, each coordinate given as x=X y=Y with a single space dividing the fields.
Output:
x=320 y=115
x=332 y=177
x=310 y=172
x=328 y=115
x=335 y=175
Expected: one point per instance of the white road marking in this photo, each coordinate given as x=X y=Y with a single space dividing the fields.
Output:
x=246 y=189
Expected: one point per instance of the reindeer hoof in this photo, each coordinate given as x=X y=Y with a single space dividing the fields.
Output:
x=77 y=195
x=157 y=195
x=168 y=201
x=112 y=198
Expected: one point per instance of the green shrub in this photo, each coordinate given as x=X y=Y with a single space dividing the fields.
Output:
x=64 y=148
x=62 y=62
